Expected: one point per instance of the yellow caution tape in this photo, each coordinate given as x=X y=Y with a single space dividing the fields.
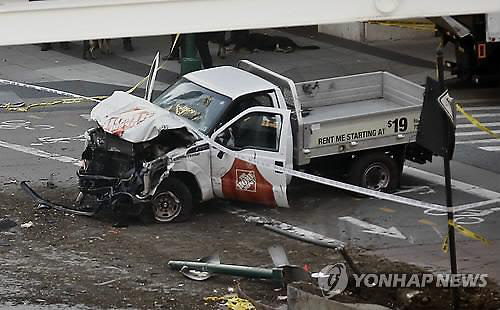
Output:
x=445 y=245
x=237 y=303
x=476 y=122
x=468 y=233
x=424 y=26
x=15 y=108
x=233 y=302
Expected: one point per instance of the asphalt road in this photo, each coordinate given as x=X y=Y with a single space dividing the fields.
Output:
x=40 y=145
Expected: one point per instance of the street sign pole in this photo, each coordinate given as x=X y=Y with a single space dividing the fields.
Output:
x=189 y=61
x=449 y=201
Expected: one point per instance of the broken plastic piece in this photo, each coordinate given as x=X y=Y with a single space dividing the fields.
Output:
x=27 y=224
x=42 y=203
x=195 y=274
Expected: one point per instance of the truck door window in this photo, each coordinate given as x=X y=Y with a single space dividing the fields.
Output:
x=246 y=102
x=256 y=130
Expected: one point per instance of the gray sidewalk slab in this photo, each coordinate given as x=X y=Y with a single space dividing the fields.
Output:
x=335 y=57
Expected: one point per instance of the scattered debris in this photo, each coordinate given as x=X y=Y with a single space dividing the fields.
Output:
x=50 y=182
x=195 y=274
x=109 y=282
x=2 y=243
x=6 y=224
x=27 y=224
x=406 y=295
x=42 y=203
x=233 y=302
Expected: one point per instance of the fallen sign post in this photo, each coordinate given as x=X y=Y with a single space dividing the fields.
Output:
x=282 y=274
x=437 y=134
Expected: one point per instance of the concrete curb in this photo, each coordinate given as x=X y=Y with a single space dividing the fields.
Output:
x=301 y=300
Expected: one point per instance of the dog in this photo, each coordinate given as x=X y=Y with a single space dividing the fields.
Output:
x=264 y=42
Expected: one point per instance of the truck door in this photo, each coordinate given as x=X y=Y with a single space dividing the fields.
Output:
x=264 y=134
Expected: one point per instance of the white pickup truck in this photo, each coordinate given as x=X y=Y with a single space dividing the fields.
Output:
x=150 y=154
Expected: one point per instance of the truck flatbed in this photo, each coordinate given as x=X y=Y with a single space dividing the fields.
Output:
x=349 y=113
x=351 y=109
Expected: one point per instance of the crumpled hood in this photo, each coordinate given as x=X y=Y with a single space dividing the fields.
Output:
x=132 y=118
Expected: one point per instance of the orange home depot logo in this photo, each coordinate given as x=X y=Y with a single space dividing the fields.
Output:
x=245 y=180
x=128 y=119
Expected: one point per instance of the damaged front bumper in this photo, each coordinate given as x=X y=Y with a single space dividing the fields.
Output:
x=121 y=174
x=129 y=194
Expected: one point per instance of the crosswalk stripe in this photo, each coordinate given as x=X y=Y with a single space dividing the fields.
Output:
x=475 y=133
x=478 y=141
x=494 y=124
x=490 y=148
x=480 y=115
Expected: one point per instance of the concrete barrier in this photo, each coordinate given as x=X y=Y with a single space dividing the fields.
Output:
x=301 y=300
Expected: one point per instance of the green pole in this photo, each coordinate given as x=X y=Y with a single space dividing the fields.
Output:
x=190 y=61
x=274 y=274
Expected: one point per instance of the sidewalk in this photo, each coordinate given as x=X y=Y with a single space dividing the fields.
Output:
x=335 y=57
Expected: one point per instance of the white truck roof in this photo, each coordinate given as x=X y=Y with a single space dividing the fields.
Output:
x=230 y=81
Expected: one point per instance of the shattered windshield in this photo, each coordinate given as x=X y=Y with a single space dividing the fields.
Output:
x=200 y=106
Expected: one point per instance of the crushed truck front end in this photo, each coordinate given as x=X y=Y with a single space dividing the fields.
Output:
x=129 y=156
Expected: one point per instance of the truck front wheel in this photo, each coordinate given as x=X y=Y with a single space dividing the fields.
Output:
x=172 y=202
x=376 y=171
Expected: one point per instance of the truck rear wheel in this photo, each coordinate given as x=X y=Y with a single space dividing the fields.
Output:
x=376 y=171
x=172 y=202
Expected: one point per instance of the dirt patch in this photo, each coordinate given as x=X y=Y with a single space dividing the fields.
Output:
x=86 y=262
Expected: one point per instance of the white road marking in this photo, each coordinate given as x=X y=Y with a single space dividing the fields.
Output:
x=468 y=216
x=480 y=115
x=474 y=133
x=478 y=141
x=493 y=124
x=19 y=123
x=437 y=232
x=424 y=189
x=39 y=153
x=374 y=229
x=491 y=148
x=49 y=140
x=476 y=205
x=459 y=185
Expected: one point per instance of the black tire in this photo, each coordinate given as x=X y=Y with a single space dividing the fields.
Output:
x=377 y=171
x=173 y=202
